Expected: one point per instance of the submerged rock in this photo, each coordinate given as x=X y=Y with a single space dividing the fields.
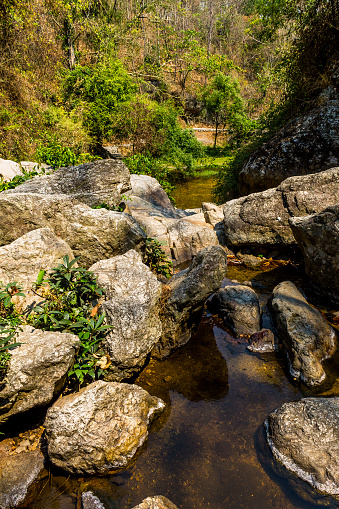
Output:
x=22 y=260
x=90 y=501
x=90 y=183
x=132 y=308
x=18 y=473
x=263 y=218
x=304 y=437
x=37 y=370
x=308 y=144
x=239 y=308
x=262 y=341
x=158 y=502
x=184 y=297
x=318 y=238
x=306 y=336
x=100 y=428
x=92 y=234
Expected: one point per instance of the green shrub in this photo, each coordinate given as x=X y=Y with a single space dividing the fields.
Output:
x=19 y=179
x=156 y=259
x=54 y=153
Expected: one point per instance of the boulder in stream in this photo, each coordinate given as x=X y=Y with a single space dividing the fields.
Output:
x=304 y=437
x=37 y=370
x=307 y=337
x=100 y=428
x=318 y=238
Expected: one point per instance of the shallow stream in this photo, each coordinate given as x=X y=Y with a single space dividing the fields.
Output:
x=208 y=449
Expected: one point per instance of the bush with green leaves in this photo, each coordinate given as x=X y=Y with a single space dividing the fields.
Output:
x=19 y=179
x=71 y=297
x=52 y=151
x=156 y=259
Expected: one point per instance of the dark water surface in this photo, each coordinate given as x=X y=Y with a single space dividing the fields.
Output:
x=208 y=450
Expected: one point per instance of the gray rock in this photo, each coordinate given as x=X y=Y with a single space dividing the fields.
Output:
x=9 y=169
x=304 y=437
x=262 y=341
x=262 y=218
x=239 y=308
x=92 y=234
x=37 y=370
x=213 y=213
x=100 y=428
x=90 y=501
x=132 y=307
x=306 y=336
x=22 y=260
x=90 y=183
x=149 y=189
x=308 y=144
x=184 y=297
x=18 y=472
x=158 y=502
x=318 y=238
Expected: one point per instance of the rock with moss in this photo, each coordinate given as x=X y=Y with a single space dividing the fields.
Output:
x=184 y=297
x=307 y=337
x=132 y=307
x=37 y=370
x=318 y=238
x=100 y=428
x=91 y=234
x=304 y=437
x=91 y=183
x=263 y=218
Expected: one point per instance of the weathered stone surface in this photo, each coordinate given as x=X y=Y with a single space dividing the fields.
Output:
x=239 y=308
x=306 y=336
x=318 y=238
x=308 y=144
x=90 y=501
x=213 y=213
x=149 y=189
x=132 y=307
x=17 y=474
x=9 y=169
x=158 y=502
x=262 y=218
x=22 y=260
x=92 y=234
x=249 y=260
x=37 y=370
x=304 y=437
x=262 y=341
x=99 y=428
x=184 y=297
x=90 y=183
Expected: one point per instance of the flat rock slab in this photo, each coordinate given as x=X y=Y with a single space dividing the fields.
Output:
x=263 y=218
x=37 y=370
x=306 y=336
x=92 y=234
x=318 y=238
x=90 y=183
x=132 y=307
x=100 y=428
x=18 y=472
x=158 y=502
x=304 y=437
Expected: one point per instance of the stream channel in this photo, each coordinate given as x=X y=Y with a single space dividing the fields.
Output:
x=208 y=448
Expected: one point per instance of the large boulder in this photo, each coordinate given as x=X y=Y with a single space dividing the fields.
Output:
x=132 y=308
x=37 y=370
x=263 y=218
x=308 y=144
x=149 y=189
x=306 y=336
x=158 y=502
x=90 y=183
x=184 y=297
x=100 y=428
x=239 y=308
x=318 y=238
x=18 y=473
x=304 y=437
x=22 y=260
x=92 y=234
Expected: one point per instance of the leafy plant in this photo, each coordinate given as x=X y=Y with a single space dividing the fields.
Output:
x=156 y=259
x=19 y=179
x=54 y=153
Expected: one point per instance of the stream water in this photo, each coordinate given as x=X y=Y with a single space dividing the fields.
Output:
x=191 y=194
x=208 y=449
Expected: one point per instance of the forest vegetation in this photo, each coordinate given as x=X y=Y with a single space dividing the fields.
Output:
x=78 y=74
